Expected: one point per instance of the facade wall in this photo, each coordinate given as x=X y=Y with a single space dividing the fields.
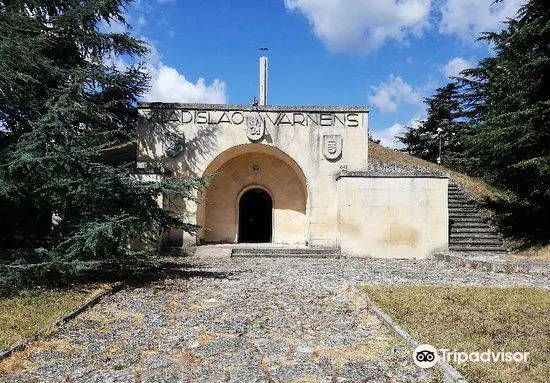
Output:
x=299 y=133
x=392 y=217
x=311 y=160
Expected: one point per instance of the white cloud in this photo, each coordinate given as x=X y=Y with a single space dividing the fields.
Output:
x=168 y=85
x=455 y=66
x=141 y=21
x=117 y=61
x=387 y=136
x=360 y=25
x=112 y=27
x=467 y=18
x=389 y=95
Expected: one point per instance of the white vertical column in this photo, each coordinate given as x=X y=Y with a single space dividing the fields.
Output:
x=263 y=80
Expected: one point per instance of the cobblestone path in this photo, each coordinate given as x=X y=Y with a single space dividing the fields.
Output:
x=244 y=320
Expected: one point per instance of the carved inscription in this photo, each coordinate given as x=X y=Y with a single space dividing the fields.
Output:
x=279 y=119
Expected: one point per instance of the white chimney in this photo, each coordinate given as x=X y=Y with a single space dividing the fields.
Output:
x=263 y=80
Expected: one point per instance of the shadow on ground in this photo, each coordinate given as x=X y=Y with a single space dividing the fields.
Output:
x=140 y=273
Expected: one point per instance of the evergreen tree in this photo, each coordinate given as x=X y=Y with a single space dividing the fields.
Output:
x=444 y=121
x=61 y=106
x=509 y=106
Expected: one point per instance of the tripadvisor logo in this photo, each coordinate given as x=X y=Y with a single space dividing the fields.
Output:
x=427 y=356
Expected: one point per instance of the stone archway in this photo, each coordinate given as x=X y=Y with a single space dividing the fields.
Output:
x=248 y=167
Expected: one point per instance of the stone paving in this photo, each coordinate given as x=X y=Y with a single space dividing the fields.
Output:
x=244 y=320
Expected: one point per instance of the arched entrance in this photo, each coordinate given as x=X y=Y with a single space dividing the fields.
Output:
x=255 y=216
x=248 y=167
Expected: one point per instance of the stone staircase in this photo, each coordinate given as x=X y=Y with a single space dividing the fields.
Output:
x=260 y=251
x=469 y=230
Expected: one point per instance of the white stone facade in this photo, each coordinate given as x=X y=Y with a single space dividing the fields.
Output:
x=299 y=156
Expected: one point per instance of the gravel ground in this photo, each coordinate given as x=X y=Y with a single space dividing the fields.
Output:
x=244 y=320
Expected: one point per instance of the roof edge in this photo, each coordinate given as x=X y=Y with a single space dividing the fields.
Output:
x=266 y=108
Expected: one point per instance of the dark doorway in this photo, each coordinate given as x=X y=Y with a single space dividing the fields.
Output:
x=255 y=214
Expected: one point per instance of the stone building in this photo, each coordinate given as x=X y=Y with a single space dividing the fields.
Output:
x=294 y=176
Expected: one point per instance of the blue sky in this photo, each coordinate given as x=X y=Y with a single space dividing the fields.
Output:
x=387 y=54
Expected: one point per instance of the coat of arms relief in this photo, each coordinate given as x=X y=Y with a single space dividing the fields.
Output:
x=255 y=128
x=332 y=146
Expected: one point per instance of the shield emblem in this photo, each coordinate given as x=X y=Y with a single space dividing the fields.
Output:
x=332 y=146
x=255 y=128
x=175 y=145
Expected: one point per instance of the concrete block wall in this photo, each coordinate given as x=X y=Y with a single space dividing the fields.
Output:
x=392 y=217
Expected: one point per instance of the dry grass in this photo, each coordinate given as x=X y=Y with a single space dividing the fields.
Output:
x=476 y=187
x=540 y=254
x=476 y=319
x=27 y=312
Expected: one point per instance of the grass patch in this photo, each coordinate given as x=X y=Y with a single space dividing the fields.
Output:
x=476 y=319
x=478 y=188
x=540 y=254
x=25 y=313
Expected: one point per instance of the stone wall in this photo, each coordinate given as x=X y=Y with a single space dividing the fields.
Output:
x=313 y=163
x=392 y=216
x=314 y=141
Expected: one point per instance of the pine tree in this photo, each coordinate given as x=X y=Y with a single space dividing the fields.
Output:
x=444 y=120
x=509 y=98
x=61 y=106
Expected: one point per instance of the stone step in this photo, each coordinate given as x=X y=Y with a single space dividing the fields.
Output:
x=472 y=230
x=172 y=251
x=459 y=195
x=465 y=214
x=260 y=252
x=459 y=220
x=469 y=224
x=460 y=202
x=274 y=249
x=470 y=212
x=456 y=205
x=466 y=218
x=465 y=210
x=469 y=231
x=475 y=241
x=481 y=234
x=479 y=249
